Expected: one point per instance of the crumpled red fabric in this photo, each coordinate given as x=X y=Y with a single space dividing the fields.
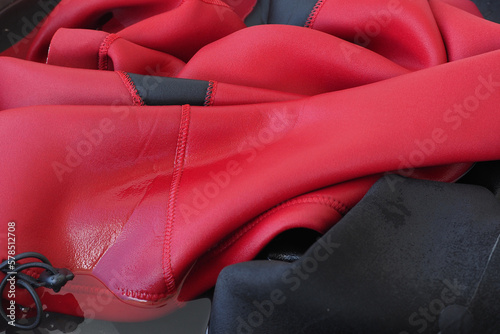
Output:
x=147 y=203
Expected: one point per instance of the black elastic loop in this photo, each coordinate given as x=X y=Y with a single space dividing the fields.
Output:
x=30 y=283
x=32 y=292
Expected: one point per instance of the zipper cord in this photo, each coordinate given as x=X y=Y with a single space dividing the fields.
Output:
x=51 y=278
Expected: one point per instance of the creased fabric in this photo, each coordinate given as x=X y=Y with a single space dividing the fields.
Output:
x=419 y=257
x=156 y=142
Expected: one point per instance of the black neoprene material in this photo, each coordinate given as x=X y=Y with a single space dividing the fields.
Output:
x=291 y=12
x=409 y=251
x=19 y=17
x=156 y=91
x=289 y=245
x=489 y=9
x=486 y=174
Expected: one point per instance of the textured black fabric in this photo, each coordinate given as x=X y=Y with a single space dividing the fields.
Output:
x=289 y=246
x=490 y=10
x=409 y=250
x=291 y=12
x=486 y=174
x=19 y=17
x=157 y=91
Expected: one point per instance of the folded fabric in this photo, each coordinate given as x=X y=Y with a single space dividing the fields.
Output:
x=271 y=127
x=152 y=190
x=419 y=257
x=486 y=174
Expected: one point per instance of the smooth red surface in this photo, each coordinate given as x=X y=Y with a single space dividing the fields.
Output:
x=301 y=123
x=28 y=83
x=99 y=50
x=290 y=59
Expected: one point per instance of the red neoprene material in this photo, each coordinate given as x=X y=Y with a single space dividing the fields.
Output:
x=48 y=84
x=57 y=85
x=196 y=23
x=146 y=204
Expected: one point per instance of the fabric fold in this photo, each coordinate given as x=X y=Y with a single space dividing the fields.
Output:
x=417 y=257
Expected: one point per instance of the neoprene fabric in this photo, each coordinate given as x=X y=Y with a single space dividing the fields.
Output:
x=417 y=257
x=271 y=127
x=486 y=174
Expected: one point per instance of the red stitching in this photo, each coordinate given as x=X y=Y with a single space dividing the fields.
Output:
x=214 y=93
x=143 y=295
x=209 y=97
x=96 y=290
x=77 y=288
x=127 y=81
x=314 y=13
x=217 y=3
x=180 y=154
x=333 y=203
x=103 y=59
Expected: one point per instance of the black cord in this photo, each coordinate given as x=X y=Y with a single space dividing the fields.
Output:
x=52 y=278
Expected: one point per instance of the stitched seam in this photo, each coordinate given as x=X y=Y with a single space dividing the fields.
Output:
x=180 y=154
x=95 y=290
x=209 y=97
x=103 y=59
x=217 y=3
x=333 y=203
x=77 y=288
x=143 y=295
x=129 y=84
x=209 y=93
x=314 y=13
x=214 y=92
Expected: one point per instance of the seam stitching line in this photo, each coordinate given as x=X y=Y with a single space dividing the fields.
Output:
x=209 y=97
x=179 y=161
x=103 y=58
x=314 y=14
x=333 y=203
x=129 y=84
